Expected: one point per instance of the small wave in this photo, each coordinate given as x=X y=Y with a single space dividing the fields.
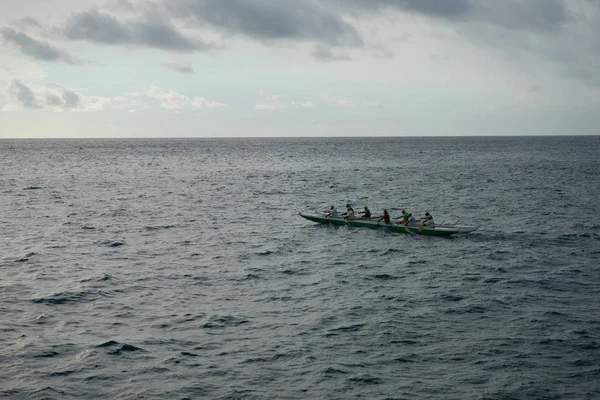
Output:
x=452 y=297
x=266 y=253
x=591 y=375
x=368 y=380
x=334 y=371
x=155 y=228
x=67 y=297
x=293 y=272
x=348 y=328
x=470 y=309
x=391 y=251
x=492 y=280
x=49 y=354
x=112 y=243
x=384 y=277
x=216 y=322
x=250 y=277
x=62 y=373
x=117 y=348
x=103 y=278
x=403 y=360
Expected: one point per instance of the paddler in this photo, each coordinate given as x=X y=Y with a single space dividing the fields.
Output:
x=385 y=217
x=349 y=212
x=366 y=214
x=332 y=213
x=404 y=217
x=428 y=220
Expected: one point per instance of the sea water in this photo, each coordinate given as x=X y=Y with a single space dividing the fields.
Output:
x=180 y=269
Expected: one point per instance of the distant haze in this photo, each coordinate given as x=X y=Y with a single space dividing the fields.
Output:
x=236 y=68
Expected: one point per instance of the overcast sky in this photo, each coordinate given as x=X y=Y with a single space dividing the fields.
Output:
x=222 y=68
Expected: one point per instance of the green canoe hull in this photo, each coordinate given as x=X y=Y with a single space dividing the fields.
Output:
x=372 y=224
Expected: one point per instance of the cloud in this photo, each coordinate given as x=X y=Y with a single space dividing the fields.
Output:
x=201 y=102
x=272 y=102
x=37 y=49
x=544 y=15
x=332 y=100
x=29 y=22
x=450 y=9
x=160 y=33
x=20 y=95
x=181 y=68
x=172 y=100
x=264 y=20
x=58 y=98
x=324 y=53
x=305 y=104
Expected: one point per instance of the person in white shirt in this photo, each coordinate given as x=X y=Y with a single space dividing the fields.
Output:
x=349 y=212
x=428 y=221
x=333 y=213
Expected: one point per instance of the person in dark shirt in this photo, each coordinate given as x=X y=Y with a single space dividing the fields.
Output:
x=366 y=214
x=385 y=217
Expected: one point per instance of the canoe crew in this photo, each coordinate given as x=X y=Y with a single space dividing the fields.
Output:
x=428 y=221
x=366 y=213
x=349 y=212
x=332 y=213
x=385 y=217
x=411 y=220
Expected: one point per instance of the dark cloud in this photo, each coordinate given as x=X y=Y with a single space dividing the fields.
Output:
x=181 y=68
x=533 y=15
x=20 y=94
x=450 y=9
x=97 y=27
x=35 y=48
x=103 y=28
x=545 y=15
x=266 y=20
x=157 y=34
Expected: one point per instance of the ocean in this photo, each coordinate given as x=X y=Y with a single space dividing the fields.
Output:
x=180 y=269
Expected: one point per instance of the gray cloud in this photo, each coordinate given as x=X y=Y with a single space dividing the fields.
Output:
x=450 y=9
x=533 y=15
x=53 y=100
x=20 y=94
x=545 y=15
x=324 y=53
x=70 y=98
x=266 y=20
x=96 y=27
x=35 y=48
x=29 y=22
x=103 y=28
x=181 y=68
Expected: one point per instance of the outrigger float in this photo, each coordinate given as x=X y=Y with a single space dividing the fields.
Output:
x=439 y=230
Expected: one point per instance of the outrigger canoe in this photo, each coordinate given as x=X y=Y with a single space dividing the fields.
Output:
x=438 y=230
